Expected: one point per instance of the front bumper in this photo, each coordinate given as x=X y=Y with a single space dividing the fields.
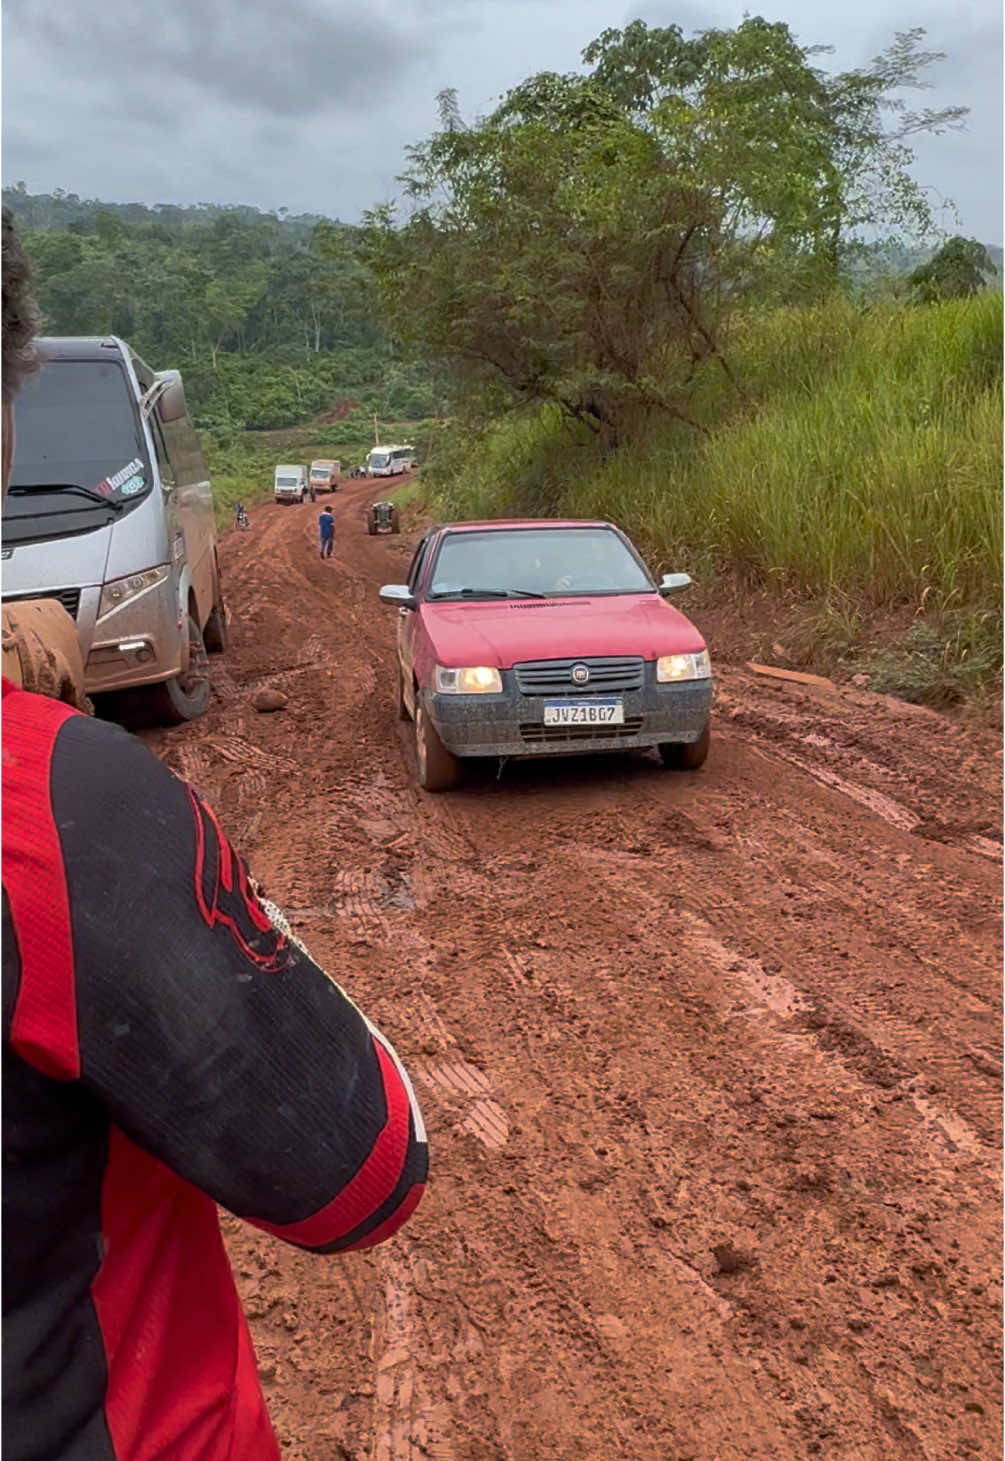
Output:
x=512 y=724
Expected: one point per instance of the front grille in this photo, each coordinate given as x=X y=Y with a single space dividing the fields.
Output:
x=536 y=734
x=554 y=676
x=68 y=597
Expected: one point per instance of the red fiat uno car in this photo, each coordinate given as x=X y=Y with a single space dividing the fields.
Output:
x=544 y=638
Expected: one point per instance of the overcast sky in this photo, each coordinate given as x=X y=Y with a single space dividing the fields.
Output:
x=309 y=104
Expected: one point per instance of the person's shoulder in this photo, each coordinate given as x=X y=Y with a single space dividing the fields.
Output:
x=33 y=720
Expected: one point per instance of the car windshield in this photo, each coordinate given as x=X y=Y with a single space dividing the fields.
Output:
x=78 y=424
x=546 y=562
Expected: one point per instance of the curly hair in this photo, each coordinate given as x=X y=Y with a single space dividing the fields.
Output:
x=20 y=313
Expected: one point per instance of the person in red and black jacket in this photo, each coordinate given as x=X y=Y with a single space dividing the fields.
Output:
x=169 y=1046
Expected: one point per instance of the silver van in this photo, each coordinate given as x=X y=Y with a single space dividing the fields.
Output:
x=110 y=511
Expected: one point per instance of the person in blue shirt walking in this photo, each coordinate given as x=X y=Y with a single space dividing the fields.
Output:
x=326 y=522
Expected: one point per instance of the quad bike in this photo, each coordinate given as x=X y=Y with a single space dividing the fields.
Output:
x=382 y=517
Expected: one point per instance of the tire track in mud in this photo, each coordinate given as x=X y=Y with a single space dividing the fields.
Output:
x=711 y=1064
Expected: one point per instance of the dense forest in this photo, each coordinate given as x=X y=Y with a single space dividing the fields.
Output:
x=271 y=317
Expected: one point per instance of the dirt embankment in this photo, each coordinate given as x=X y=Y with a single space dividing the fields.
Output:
x=711 y=1063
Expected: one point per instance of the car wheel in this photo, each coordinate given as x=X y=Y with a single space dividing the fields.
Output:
x=403 y=712
x=185 y=696
x=395 y=521
x=686 y=755
x=438 y=769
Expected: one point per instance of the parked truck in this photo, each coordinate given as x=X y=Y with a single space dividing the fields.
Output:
x=325 y=475
x=291 y=483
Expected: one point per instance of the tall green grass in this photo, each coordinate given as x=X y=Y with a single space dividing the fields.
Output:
x=863 y=463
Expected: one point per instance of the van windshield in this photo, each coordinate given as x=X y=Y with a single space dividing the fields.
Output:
x=77 y=423
x=80 y=458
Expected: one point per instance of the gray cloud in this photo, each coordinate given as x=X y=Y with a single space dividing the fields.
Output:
x=293 y=60
x=309 y=104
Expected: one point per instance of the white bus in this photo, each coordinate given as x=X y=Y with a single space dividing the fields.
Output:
x=389 y=461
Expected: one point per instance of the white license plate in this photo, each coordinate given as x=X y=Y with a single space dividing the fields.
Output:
x=584 y=712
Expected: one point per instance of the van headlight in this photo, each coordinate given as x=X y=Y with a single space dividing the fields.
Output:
x=671 y=667
x=121 y=590
x=472 y=680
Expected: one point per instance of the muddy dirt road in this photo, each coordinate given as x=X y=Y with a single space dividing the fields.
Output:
x=710 y=1062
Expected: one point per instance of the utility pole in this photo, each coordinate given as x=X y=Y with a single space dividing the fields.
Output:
x=376 y=433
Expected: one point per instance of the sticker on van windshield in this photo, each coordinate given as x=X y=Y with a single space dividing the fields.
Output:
x=124 y=478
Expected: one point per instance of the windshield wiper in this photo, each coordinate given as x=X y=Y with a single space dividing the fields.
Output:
x=489 y=593
x=89 y=492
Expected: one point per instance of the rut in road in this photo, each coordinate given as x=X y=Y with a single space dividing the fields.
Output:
x=711 y=1063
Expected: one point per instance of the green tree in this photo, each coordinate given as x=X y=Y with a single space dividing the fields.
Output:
x=961 y=268
x=588 y=242
x=797 y=156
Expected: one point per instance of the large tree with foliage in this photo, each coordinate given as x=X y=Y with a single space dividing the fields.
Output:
x=588 y=241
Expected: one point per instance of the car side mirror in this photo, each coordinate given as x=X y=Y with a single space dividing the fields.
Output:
x=398 y=595
x=672 y=583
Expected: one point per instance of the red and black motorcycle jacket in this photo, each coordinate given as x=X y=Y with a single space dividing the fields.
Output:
x=168 y=1047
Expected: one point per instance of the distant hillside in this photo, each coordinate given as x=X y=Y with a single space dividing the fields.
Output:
x=67 y=211
x=272 y=318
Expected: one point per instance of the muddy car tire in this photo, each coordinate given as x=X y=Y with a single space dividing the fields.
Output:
x=686 y=755
x=403 y=711
x=395 y=521
x=438 y=769
x=185 y=697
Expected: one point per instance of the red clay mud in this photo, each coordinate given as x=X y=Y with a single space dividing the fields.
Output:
x=711 y=1062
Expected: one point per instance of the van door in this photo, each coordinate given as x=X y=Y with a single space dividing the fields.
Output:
x=169 y=490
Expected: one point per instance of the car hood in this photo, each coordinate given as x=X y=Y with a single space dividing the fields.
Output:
x=502 y=633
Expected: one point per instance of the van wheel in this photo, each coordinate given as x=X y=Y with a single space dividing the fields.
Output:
x=686 y=755
x=438 y=769
x=186 y=696
x=214 y=635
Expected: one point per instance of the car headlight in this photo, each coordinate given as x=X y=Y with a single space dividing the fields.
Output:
x=683 y=667
x=472 y=680
x=121 y=590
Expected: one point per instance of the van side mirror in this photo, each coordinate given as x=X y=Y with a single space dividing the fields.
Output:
x=398 y=595
x=168 y=394
x=672 y=583
x=171 y=402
